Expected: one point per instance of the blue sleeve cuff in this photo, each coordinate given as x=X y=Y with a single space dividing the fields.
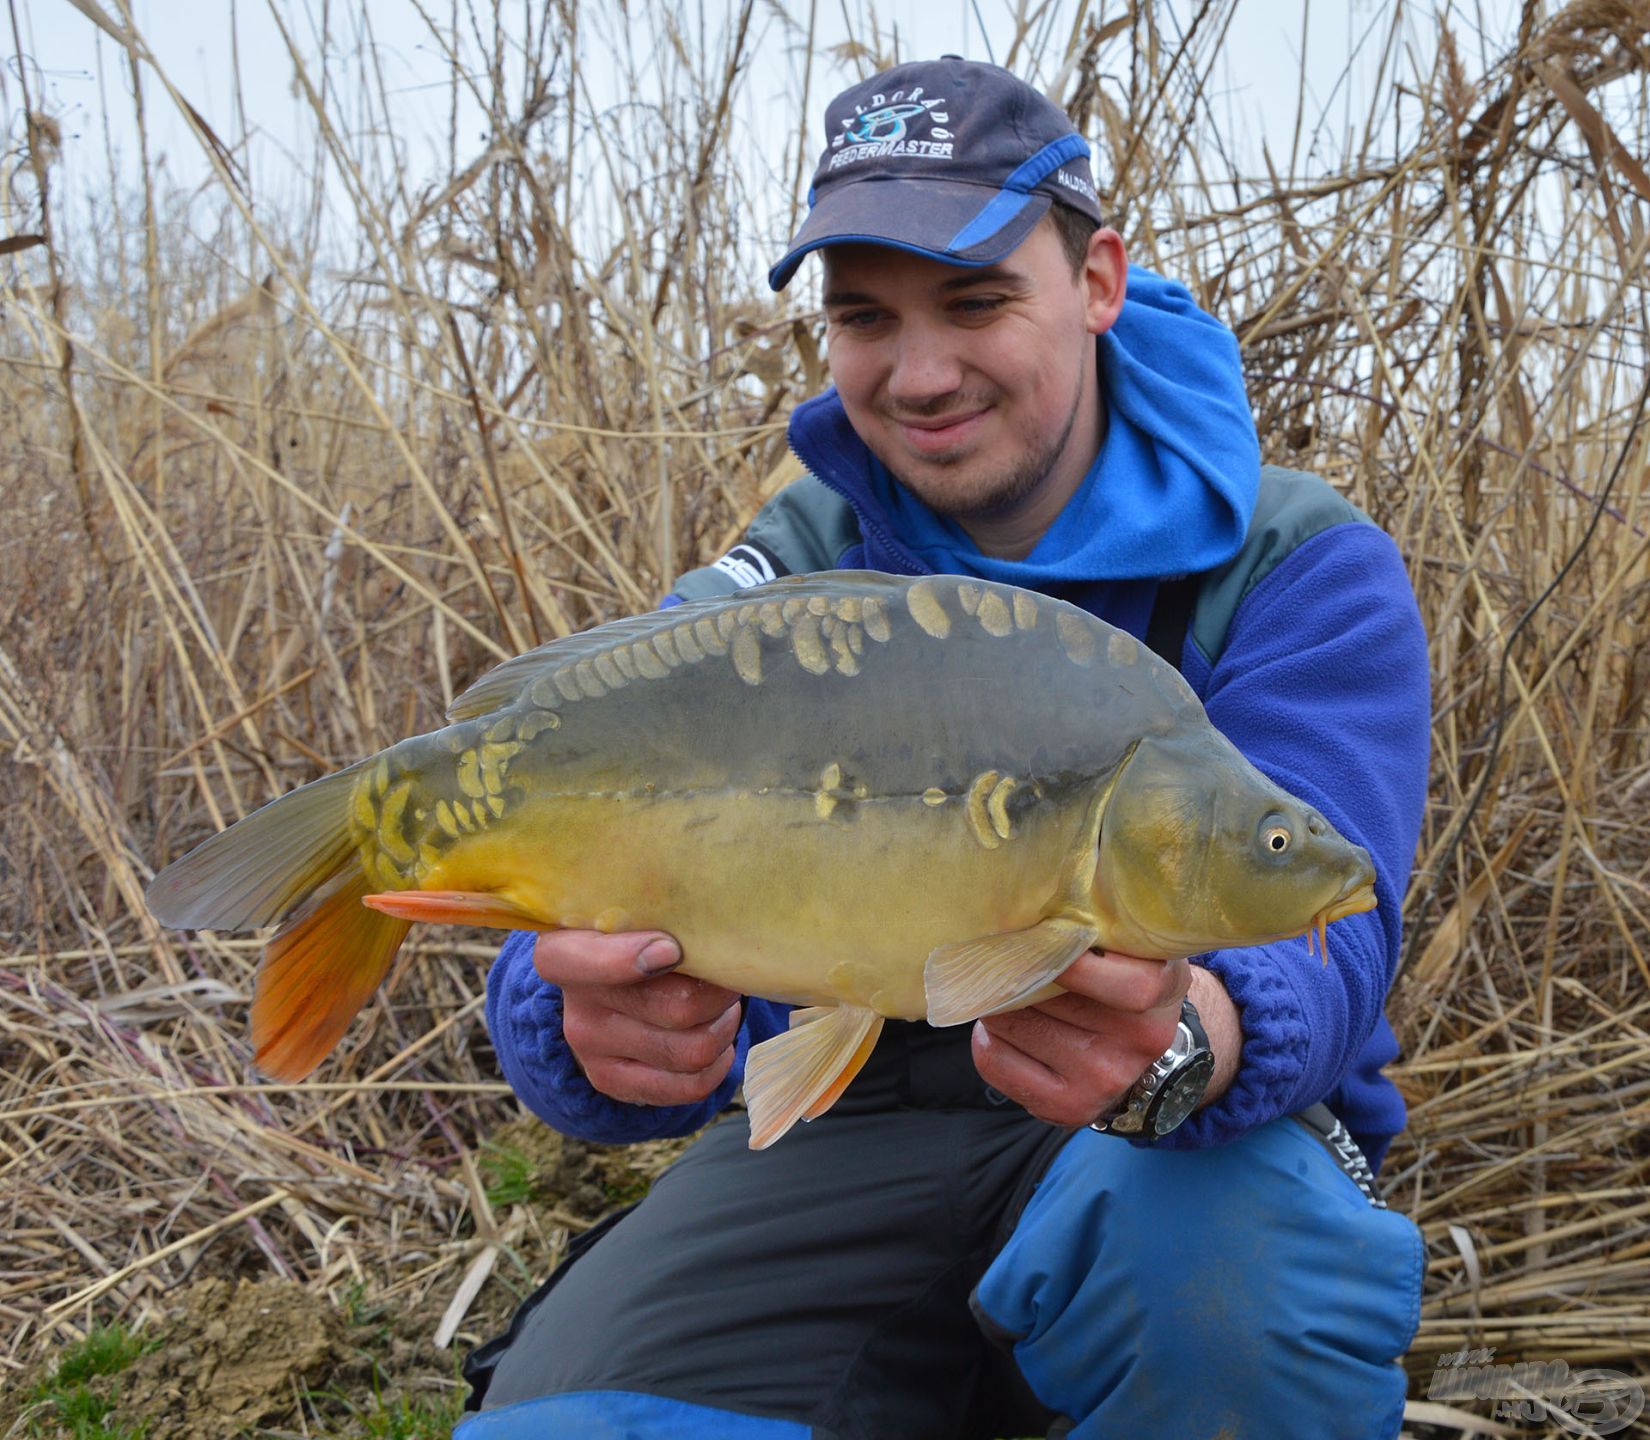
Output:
x=1298 y=1024
x=1276 y=1039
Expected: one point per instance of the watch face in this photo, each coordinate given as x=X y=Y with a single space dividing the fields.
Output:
x=1181 y=1092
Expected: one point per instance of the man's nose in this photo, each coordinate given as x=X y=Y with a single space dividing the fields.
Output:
x=925 y=367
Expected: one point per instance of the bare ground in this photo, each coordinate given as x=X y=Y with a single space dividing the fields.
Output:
x=268 y=1357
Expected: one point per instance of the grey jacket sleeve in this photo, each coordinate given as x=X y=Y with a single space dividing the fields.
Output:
x=805 y=527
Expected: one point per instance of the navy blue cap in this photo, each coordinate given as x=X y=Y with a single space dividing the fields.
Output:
x=947 y=158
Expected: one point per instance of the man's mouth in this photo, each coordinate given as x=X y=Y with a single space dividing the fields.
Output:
x=931 y=435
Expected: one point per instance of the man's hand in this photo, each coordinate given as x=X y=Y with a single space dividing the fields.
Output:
x=1071 y=1059
x=638 y=1032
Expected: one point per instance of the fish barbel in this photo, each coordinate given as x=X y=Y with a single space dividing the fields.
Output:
x=863 y=795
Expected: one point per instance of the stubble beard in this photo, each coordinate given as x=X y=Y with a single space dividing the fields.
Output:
x=992 y=496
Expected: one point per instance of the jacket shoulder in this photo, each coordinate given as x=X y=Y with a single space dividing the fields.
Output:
x=805 y=527
x=1292 y=506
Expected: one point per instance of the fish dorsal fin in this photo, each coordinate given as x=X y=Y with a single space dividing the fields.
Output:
x=501 y=685
x=997 y=972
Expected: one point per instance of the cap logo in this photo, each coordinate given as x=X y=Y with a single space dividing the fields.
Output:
x=881 y=127
x=887 y=123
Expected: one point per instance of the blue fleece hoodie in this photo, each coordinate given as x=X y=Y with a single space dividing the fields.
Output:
x=1322 y=683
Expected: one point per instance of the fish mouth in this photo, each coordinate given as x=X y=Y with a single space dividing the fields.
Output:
x=1357 y=896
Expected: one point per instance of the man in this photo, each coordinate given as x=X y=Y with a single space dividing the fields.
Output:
x=959 y=1248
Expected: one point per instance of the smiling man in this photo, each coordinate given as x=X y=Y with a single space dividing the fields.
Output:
x=977 y=389
x=1146 y=1203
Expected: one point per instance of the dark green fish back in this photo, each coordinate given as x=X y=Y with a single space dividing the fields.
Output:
x=906 y=684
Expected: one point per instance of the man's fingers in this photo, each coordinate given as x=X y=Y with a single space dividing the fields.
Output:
x=598 y=1033
x=671 y=1002
x=631 y=972
x=1128 y=983
x=1026 y=1080
x=1052 y=1061
x=589 y=957
x=643 y=1085
x=638 y=1032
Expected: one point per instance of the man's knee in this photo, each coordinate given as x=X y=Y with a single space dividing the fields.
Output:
x=1233 y=1290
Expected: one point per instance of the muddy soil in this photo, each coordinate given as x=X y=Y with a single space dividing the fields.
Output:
x=236 y=1355
x=264 y=1357
x=239 y=1356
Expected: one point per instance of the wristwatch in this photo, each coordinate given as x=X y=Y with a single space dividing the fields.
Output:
x=1171 y=1087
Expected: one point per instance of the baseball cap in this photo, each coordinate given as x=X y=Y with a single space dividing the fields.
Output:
x=947 y=158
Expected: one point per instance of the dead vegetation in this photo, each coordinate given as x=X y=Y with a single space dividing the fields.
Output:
x=272 y=501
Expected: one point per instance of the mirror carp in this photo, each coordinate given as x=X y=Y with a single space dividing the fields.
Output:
x=864 y=795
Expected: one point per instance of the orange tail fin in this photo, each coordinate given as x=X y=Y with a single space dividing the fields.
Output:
x=318 y=971
x=292 y=863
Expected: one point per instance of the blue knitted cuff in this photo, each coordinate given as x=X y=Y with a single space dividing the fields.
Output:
x=1275 y=1051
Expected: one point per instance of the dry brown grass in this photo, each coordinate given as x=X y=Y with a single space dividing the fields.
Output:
x=269 y=507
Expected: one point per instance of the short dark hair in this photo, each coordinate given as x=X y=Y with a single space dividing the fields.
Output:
x=1075 y=229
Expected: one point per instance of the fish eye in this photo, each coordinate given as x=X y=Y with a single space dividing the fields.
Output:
x=1276 y=838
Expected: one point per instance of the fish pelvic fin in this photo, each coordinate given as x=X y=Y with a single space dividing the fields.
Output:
x=971 y=978
x=799 y=1075
x=320 y=968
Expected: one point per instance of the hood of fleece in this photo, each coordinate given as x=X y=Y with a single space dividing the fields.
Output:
x=1170 y=493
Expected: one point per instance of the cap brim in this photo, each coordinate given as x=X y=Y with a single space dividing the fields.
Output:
x=950 y=221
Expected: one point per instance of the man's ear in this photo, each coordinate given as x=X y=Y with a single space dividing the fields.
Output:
x=1105 y=279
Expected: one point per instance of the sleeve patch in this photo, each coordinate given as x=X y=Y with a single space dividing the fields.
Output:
x=751 y=563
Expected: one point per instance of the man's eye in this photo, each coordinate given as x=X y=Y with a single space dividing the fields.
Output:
x=857 y=319
x=979 y=304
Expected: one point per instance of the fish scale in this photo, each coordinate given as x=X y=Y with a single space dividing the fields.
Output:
x=868 y=796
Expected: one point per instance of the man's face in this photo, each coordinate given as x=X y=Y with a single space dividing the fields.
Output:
x=973 y=386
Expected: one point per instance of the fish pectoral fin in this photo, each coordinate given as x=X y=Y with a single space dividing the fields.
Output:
x=455 y=907
x=997 y=972
x=799 y=1075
